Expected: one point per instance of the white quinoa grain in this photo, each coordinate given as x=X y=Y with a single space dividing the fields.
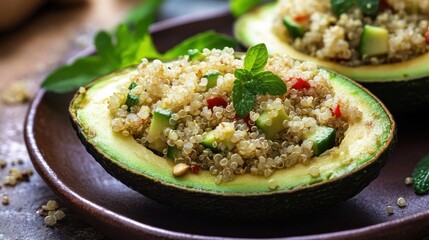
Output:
x=389 y=209
x=401 y=202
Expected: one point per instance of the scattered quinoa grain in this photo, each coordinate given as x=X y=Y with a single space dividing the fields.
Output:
x=50 y=220
x=401 y=202
x=408 y=181
x=82 y=90
x=314 y=171
x=389 y=209
x=59 y=214
x=273 y=184
x=5 y=200
x=3 y=164
x=51 y=205
x=18 y=92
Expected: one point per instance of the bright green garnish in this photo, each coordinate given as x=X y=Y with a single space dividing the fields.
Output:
x=368 y=7
x=251 y=81
x=239 y=7
x=421 y=176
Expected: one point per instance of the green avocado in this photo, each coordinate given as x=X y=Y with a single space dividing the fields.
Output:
x=344 y=171
x=401 y=86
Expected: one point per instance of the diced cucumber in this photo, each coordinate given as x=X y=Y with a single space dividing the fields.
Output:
x=294 y=29
x=210 y=137
x=173 y=152
x=160 y=121
x=374 y=41
x=196 y=55
x=211 y=79
x=323 y=138
x=271 y=130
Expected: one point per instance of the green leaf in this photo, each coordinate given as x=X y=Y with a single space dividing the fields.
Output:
x=256 y=58
x=79 y=73
x=243 y=75
x=239 y=7
x=105 y=49
x=209 y=39
x=368 y=7
x=269 y=83
x=146 y=10
x=341 y=6
x=421 y=176
x=242 y=99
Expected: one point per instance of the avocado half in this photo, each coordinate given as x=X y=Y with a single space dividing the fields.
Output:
x=403 y=86
x=344 y=170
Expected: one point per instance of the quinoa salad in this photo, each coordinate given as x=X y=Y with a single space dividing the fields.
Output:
x=183 y=110
x=386 y=32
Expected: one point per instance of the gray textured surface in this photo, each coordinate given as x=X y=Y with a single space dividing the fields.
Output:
x=19 y=219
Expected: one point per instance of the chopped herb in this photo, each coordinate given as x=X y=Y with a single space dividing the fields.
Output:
x=131 y=100
x=421 y=176
x=368 y=7
x=211 y=79
x=239 y=7
x=132 y=85
x=195 y=55
x=251 y=81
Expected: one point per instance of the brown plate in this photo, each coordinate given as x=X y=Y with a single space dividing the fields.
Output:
x=119 y=212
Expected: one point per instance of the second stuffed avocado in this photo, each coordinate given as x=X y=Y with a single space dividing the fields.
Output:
x=320 y=142
x=372 y=50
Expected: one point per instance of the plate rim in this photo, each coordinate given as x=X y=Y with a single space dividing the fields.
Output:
x=101 y=214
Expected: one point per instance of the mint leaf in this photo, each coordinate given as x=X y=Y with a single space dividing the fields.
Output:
x=256 y=58
x=147 y=10
x=368 y=7
x=269 y=83
x=242 y=99
x=79 y=73
x=243 y=75
x=341 y=6
x=105 y=49
x=421 y=176
x=239 y=7
x=209 y=39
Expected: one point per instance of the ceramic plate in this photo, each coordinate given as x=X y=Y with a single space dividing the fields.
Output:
x=119 y=212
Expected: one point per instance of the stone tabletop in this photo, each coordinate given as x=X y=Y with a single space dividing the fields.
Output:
x=27 y=53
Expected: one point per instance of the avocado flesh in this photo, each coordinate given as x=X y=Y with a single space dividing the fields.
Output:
x=366 y=145
x=401 y=86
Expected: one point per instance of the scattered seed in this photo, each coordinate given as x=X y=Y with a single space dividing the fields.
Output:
x=389 y=209
x=50 y=220
x=3 y=164
x=5 y=200
x=59 y=214
x=20 y=161
x=408 y=181
x=273 y=184
x=51 y=205
x=180 y=169
x=314 y=171
x=401 y=202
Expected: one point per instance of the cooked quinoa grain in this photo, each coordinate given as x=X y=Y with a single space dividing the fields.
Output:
x=401 y=202
x=338 y=38
x=239 y=146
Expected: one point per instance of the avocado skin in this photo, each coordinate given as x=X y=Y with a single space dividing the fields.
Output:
x=402 y=97
x=239 y=206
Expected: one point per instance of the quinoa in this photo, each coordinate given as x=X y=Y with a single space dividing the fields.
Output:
x=337 y=38
x=180 y=87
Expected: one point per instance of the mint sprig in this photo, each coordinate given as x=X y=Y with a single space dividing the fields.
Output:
x=252 y=81
x=368 y=7
x=421 y=176
x=126 y=46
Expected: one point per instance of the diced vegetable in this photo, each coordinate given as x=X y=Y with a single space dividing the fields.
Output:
x=271 y=126
x=216 y=102
x=294 y=29
x=374 y=41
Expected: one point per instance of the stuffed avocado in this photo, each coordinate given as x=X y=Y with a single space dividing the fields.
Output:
x=385 y=47
x=271 y=130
